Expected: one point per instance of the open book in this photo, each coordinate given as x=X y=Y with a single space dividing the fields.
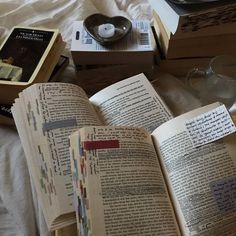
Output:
x=46 y=114
x=130 y=182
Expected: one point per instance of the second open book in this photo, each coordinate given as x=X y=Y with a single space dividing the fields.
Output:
x=125 y=188
x=130 y=182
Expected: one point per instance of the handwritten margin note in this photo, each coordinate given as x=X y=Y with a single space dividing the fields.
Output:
x=224 y=192
x=210 y=126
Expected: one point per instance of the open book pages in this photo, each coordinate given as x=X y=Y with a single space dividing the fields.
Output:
x=118 y=182
x=46 y=114
x=202 y=180
x=128 y=181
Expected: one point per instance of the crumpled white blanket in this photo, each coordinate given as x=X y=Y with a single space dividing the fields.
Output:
x=20 y=214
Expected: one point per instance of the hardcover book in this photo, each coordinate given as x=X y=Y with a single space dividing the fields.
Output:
x=196 y=20
x=197 y=46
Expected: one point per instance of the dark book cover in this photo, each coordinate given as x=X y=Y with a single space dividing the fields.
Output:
x=5 y=110
x=190 y=8
x=24 y=49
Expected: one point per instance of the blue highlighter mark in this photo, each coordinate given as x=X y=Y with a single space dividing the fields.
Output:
x=224 y=192
x=59 y=124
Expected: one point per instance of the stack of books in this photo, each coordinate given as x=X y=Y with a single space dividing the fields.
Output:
x=98 y=66
x=28 y=55
x=195 y=30
x=189 y=35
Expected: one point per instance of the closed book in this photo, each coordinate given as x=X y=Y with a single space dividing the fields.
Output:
x=202 y=46
x=196 y=20
x=28 y=55
x=138 y=47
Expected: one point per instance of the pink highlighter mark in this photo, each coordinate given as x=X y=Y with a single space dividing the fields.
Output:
x=102 y=144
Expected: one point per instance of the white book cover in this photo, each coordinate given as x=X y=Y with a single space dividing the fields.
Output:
x=138 y=39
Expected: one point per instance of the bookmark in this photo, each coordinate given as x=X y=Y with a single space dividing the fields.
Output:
x=210 y=126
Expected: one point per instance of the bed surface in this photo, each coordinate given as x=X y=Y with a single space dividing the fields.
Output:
x=19 y=211
x=20 y=214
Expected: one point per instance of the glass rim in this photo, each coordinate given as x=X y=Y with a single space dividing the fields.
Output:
x=214 y=70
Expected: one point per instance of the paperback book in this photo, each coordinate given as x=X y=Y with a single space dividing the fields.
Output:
x=47 y=113
x=171 y=181
x=179 y=190
x=197 y=46
x=138 y=47
x=28 y=55
x=196 y=20
x=6 y=117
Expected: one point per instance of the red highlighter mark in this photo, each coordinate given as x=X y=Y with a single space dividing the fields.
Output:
x=102 y=144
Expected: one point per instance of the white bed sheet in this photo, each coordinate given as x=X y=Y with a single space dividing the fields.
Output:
x=19 y=211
